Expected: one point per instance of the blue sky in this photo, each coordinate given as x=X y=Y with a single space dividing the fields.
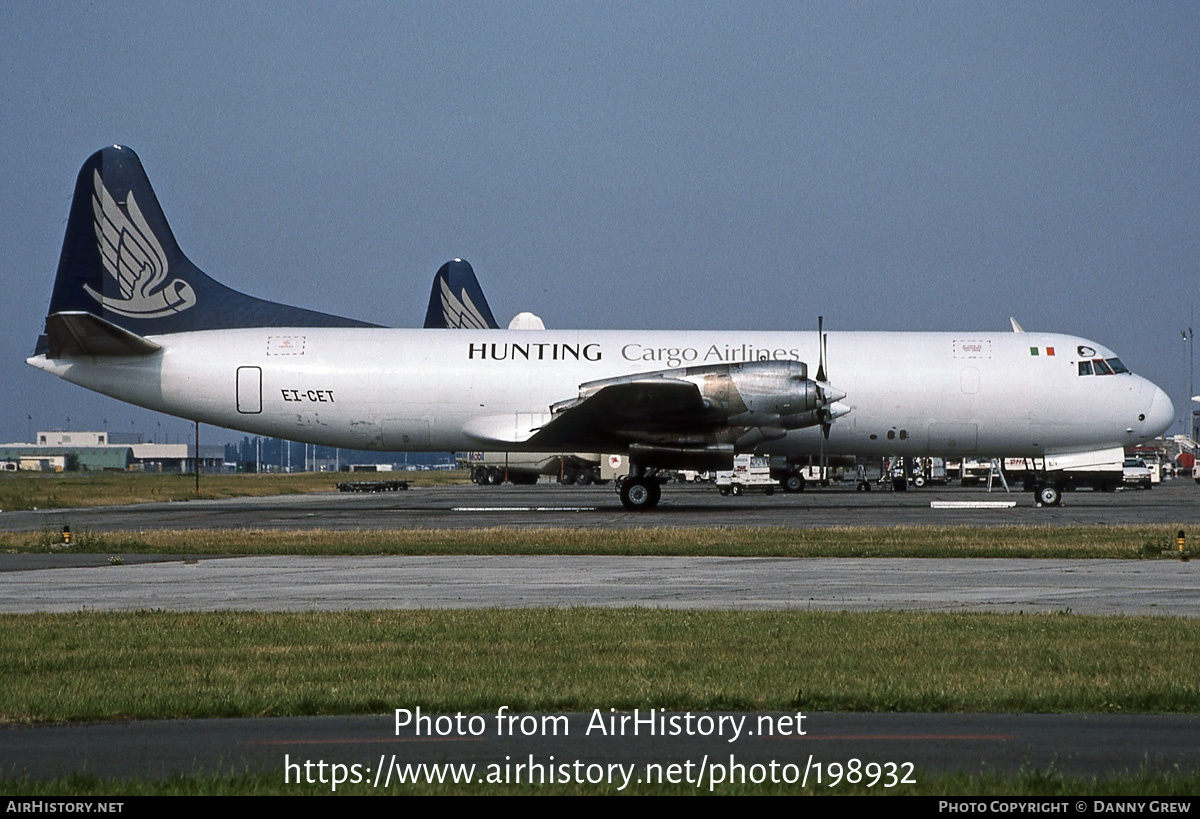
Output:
x=896 y=166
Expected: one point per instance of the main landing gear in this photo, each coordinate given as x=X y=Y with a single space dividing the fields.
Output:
x=640 y=494
x=640 y=491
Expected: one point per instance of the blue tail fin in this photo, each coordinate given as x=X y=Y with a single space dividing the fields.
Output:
x=120 y=262
x=456 y=301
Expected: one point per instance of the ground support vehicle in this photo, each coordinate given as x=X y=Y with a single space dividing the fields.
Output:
x=750 y=473
x=1136 y=473
x=372 y=486
x=524 y=468
x=1049 y=477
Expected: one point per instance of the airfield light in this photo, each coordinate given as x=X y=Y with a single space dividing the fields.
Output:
x=1181 y=540
x=67 y=535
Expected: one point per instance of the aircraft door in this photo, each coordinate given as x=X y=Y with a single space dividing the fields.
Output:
x=249 y=390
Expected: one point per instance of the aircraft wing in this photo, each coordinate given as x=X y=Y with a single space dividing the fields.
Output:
x=616 y=414
x=695 y=414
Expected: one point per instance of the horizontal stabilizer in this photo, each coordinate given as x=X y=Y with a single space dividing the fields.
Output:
x=73 y=334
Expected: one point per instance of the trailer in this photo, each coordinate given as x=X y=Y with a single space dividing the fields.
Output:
x=524 y=468
x=372 y=486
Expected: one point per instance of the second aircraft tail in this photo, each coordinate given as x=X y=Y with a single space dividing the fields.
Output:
x=456 y=301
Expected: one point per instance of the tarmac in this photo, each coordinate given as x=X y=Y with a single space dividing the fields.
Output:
x=1083 y=745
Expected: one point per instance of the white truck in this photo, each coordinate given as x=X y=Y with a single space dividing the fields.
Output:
x=1049 y=477
x=750 y=473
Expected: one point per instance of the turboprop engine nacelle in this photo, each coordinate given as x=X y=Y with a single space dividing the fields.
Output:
x=773 y=394
x=769 y=394
x=710 y=410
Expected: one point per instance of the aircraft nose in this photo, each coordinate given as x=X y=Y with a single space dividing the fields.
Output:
x=1161 y=413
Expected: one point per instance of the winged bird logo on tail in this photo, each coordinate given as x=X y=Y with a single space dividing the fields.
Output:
x=456 y=301
x=461 y=314
x=133 y=256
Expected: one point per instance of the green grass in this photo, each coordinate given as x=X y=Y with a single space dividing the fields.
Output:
x=151 y=665
x=1081 y=542
x=155 y=665
x=74 y=490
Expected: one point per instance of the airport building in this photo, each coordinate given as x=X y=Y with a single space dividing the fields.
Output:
x=88 y=451
x=91 y=451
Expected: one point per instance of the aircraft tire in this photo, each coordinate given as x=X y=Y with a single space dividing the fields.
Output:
x=638 y=495
x=863 y=486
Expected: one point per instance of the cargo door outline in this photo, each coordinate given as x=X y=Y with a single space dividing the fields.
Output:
x=249 y=390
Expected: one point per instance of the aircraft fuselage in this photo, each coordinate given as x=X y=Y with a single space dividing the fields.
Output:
x=1011 y=394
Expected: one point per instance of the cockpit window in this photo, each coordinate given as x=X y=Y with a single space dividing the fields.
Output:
x=1102 y=366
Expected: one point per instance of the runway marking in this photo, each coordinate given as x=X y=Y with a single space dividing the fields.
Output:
x=523 y=509
x=972 y=504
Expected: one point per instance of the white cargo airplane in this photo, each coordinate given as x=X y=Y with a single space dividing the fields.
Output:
x=133 y=318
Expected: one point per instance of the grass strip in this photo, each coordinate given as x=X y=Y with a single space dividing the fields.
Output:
x=156 y=665
x=71 y=490
x=1080 y=542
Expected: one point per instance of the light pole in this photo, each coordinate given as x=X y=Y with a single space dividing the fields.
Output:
x=1191 y=426
x=1189 y=338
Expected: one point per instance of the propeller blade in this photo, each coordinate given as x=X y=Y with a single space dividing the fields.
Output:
x=821 y=348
